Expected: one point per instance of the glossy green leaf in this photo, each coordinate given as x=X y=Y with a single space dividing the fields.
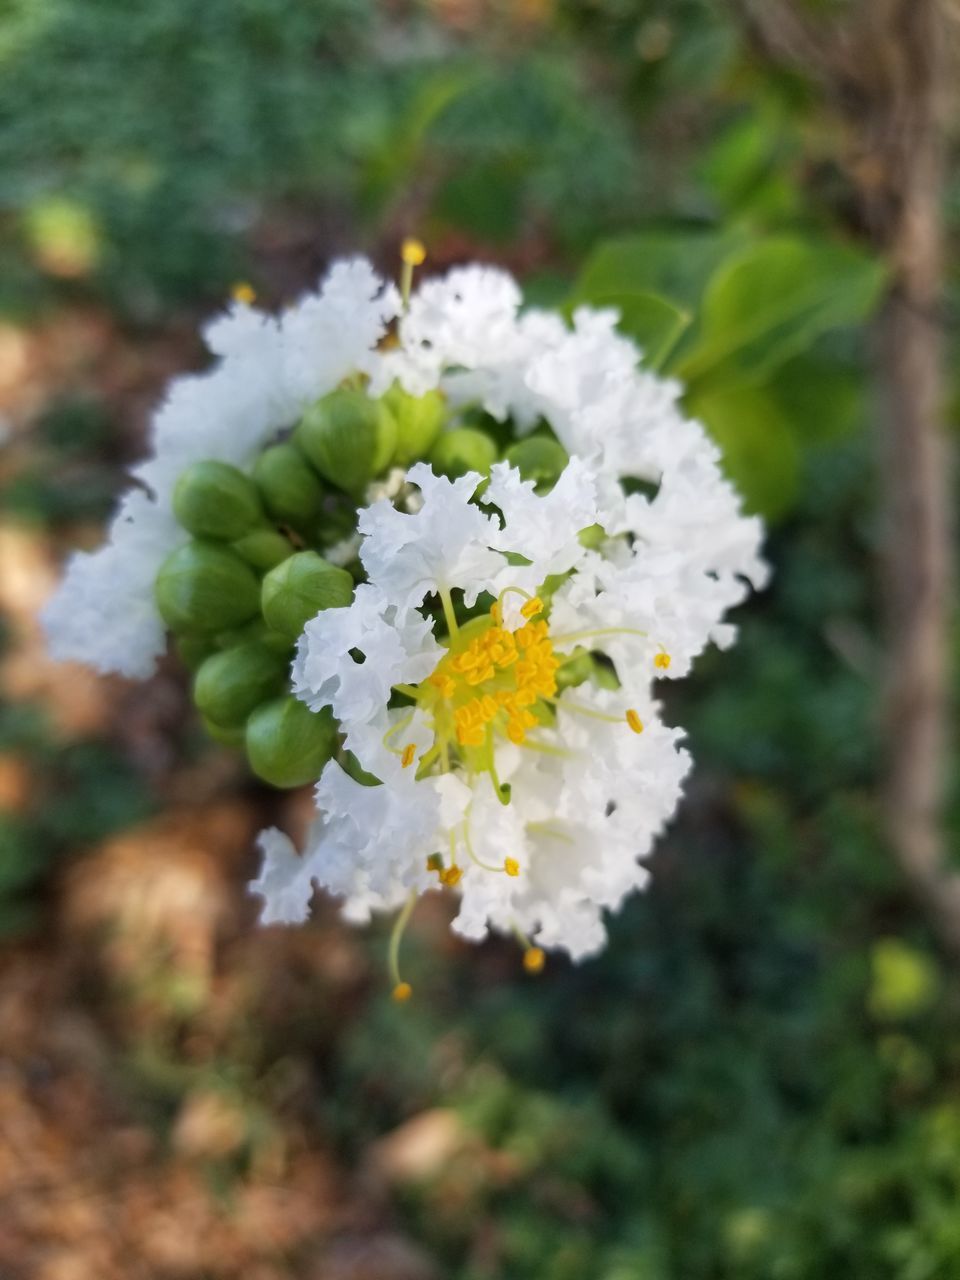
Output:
x=772 y=300
x=672 y=264
x=760 y=453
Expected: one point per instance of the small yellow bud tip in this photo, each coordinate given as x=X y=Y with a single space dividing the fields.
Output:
x=511 y=866
x=409 y=751
x=402 y=992
x=413 y=253
x=662 y=661
x=534 y=960
x=244 y=293
x=634 y=721
x=532 y=607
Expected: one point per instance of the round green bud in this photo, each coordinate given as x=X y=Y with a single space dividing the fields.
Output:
x=235 y=737
x=204 y=588
x=231 y=684
x=263 y=548
x=540 y=459
x=419 y=422
x=215 y=500
x=296 y=591
x=254 y=632
x=192 y=650
x=461 y=450
x=349 y=438
x=291 y=490
x=288 y=744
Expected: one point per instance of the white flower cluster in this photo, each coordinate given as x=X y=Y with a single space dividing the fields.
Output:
x=267 y=372
x=495 y=670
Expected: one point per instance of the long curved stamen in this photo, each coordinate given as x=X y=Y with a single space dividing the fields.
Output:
x=533 y=956
x=449 y=616
x=567 y=705
x=401 y=990
x=496 y=611
x=545 y=829
x=394 y=729
x=412 y=254
x=564 y=637
x=471 y=852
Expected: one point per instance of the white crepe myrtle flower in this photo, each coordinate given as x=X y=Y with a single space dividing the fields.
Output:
x=492 y=678
x=532 y=801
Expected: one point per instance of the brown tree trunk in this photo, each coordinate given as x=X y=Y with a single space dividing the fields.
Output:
x=907 y=130
x=885 y=67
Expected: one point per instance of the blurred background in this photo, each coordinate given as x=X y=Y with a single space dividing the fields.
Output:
x=760 y=1078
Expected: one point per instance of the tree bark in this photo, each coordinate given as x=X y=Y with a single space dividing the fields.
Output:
x=885 y=69
x=906 y=126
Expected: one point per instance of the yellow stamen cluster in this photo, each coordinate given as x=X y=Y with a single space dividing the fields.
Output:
x=243 y=292
x=662 y=661
x=510 y=670
x=634 y=721
x=534 y=960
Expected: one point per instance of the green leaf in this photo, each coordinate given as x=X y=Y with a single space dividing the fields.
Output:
x=760 y=452
x=772 y=300
x=653 y=323
x=823 y=399
x=672 y=264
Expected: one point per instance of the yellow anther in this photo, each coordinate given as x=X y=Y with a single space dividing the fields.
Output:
x=662 y=660
x=534 y=960
x=409 y=751
x=243 y=292
x=634 y=721
x=451 y=877
x=532 y=607
x=413 y=252
x=403 y=990
x=511 y=866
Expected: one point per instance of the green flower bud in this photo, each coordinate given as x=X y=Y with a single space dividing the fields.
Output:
x=203 y=587
x=288 y=744
x=233 y=683
x=214 y=500
x=461 y=450
x=192 y=650
x=593 y=537
x=234 y=737
x=291 y=490
x=349 y=438
x=263 y=548
x=419 y=421
x=255 y=632
x=540 y=459
x=296 y=591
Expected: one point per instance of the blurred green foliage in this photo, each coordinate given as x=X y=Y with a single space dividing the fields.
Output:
x=759 y=1079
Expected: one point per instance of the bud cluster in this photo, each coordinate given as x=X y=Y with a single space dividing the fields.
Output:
x=259 y=562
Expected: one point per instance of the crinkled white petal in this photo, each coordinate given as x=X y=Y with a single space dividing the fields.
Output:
x=446 y=544
x=284 y=883
x=545 y=530
x=330 y=335
x=103 y=613
x=396 y=644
